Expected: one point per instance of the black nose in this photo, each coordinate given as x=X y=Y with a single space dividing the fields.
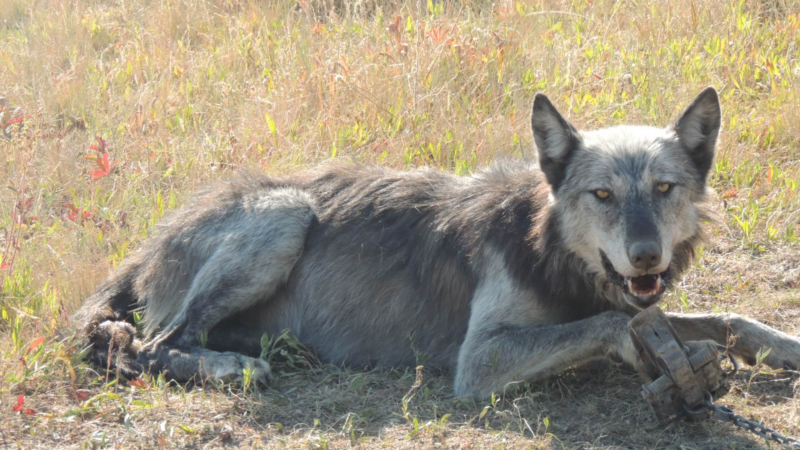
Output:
x=644 y=254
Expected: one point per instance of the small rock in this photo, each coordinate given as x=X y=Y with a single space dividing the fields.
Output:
x=226 y=434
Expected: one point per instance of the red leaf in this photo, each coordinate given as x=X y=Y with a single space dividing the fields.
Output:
x=4 y=265
x=20 y=403
x=101 y=145
x=139 y=383
x=730 y=193
x=105 y=166
x=81 y=395
x=103 y=162
x=97 y=174
x=36 y=342
x=29 y=411
x=13 y=121
x=76 y=214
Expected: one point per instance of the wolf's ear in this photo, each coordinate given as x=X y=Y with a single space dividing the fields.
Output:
x=555 y=139
x=698 y=128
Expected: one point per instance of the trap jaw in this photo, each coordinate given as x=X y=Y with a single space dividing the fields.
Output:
x=684 y=379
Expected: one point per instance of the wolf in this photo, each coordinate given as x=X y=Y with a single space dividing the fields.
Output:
x=516 y=272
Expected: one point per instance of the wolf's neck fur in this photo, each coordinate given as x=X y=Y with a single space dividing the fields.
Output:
x=525 y=229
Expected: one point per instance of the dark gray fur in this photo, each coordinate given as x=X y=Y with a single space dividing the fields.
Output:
x=497 y=275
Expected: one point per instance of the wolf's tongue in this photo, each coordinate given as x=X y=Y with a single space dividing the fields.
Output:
x=644 y=284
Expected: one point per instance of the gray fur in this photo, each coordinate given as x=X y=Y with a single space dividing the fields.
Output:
x=513 y=273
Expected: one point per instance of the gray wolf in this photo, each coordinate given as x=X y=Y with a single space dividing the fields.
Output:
x=513 y=273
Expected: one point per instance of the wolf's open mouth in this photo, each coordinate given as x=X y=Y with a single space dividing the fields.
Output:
x=641 y=286
x=644 y=285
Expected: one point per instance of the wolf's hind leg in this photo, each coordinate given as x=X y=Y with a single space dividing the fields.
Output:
x=184 y=364
x=255 y=254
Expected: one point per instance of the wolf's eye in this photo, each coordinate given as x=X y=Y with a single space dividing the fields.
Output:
x=664 y=187
x=601 y=194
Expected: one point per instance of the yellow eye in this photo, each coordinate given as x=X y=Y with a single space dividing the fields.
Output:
x=664 y=187
x=601 y=194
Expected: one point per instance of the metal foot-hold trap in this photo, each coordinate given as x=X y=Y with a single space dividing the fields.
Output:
x=687 y=379
x=687 y=375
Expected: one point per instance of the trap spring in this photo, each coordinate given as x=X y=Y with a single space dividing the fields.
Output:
x=687 y=380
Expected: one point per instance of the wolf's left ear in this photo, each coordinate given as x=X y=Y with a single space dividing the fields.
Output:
x=698 y=128
x=555 y=139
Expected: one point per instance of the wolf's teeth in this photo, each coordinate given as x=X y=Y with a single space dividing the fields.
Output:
x=655 y=289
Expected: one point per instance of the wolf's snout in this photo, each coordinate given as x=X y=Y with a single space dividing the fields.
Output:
x=644 y=255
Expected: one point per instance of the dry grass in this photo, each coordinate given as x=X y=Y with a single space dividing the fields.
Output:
x=186 y=91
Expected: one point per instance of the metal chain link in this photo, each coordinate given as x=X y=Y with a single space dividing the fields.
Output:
x=726 y=414
x=766 y=433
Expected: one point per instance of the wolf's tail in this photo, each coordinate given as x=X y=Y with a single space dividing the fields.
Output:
x=106 y=322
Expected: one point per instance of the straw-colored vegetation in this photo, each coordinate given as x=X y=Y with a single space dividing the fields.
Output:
x=115 y=111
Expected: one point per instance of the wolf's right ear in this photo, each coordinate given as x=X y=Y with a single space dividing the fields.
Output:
x=555 y=139
x=698 y=128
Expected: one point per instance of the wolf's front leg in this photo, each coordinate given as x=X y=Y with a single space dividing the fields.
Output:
x=496 y=356
x=746 y=337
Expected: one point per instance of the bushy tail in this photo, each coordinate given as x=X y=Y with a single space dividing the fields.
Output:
x=105 y=321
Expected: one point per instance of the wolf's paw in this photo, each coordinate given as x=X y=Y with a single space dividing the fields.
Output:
x=114 y=347
x=229 y=367
x=116 y=333
x=784 y=353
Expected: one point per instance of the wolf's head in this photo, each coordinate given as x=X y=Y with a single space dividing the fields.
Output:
x=627 y=198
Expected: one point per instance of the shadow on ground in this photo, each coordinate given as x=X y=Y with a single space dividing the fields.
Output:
x=589 y=408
